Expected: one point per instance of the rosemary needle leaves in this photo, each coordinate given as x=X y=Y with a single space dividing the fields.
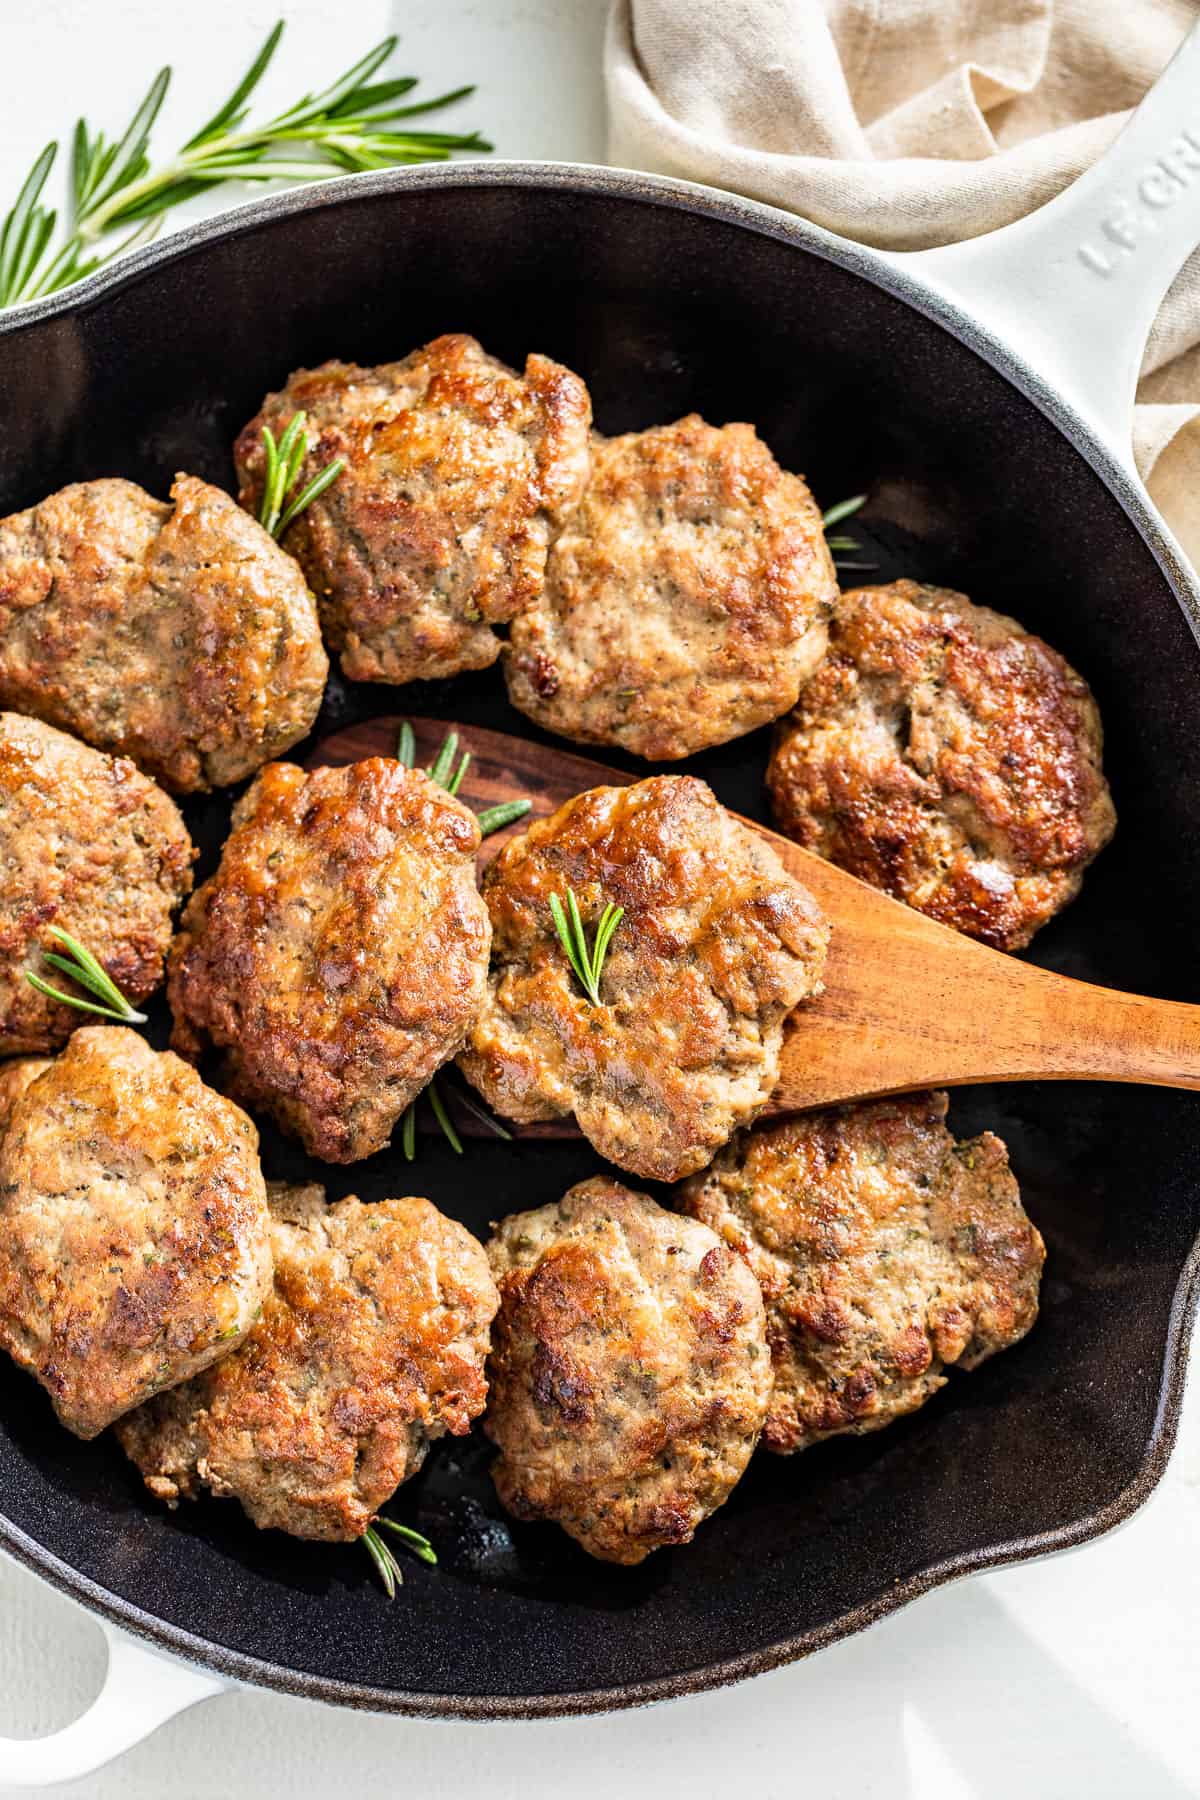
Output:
x=845 y=509
x=82 y=967
x=495 y=818
x=116 y=192
x=587 y=964
x=443 y=1118
x=382 y=1556
x=444 y=771
x=408 y=1125
x=284 y=462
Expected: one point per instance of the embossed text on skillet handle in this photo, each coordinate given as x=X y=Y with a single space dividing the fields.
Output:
x=1075 y=286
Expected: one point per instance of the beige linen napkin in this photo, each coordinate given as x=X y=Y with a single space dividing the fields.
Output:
x=905 y=123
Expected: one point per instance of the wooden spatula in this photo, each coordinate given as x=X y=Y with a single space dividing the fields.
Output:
x=907 y=1003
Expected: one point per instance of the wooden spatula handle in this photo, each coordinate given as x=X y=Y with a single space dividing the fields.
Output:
x=899 y=1014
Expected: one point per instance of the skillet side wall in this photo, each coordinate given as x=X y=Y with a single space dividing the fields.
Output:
x=663 y=309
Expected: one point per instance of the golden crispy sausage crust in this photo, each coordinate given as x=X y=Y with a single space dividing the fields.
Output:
x=686 y=599
x=885 y=1252
x=945 y=755
x=630 y=1375
x=717 y=945
x=459 y=473
x=92 y=846
x=180 y=636
x=17 y=1074
x=371 y=1344
x=339 y=954
x=134 y=1245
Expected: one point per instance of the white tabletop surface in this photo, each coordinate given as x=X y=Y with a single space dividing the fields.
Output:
x=1072 y=1677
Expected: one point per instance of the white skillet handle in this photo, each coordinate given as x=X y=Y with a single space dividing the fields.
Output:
x=1075 y=286
x=141 y=1691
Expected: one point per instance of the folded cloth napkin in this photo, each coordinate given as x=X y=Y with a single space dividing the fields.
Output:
x=905 y=123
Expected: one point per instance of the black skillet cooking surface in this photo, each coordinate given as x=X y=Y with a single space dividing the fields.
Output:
x=664 y=305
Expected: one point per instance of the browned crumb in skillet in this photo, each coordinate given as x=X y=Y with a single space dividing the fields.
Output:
x=885 y=1252
x=716 y=946
x=90 y=846
x=371 y=1345
x=459 y=473
x=339 y=954
x=134 y=1244
x=630 y=1375
x=947 y=756
x=686 y=599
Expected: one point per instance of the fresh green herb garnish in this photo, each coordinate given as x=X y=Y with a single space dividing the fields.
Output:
x=381 y=1554
x=484 y=1117
x=587 y=964
x=845 y=509
x=443 y=1118
x=81 y=966
x=284 y=462
x=408 y=1125
x=495 y=818
x=351 y=125
x=442 y=770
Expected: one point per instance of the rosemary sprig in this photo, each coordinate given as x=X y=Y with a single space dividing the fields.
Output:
x=408 y=1125
x=845 y=509
x=484 y=1117
x=442 y=770
x=587 y=964
x=82 y=967
x=443 y=1118
x=495 y=818
x=353 y=124
x=285 y=459
x=381 y=1554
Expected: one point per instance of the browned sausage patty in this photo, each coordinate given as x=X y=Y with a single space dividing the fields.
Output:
x=458 y=474
x=717 y=944
x=630 y=1375
x=885 y=1252
x=134 y=1245
x=181 y=636
x=18 y=1073
x=371 y=1344
x=91 y=846
x=339 y=954
x=945 y=755
x=686 y=599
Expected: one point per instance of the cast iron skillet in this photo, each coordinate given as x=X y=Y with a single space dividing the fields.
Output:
x=667 y=297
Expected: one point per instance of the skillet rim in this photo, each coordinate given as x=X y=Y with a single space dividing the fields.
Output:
x=884 y=271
